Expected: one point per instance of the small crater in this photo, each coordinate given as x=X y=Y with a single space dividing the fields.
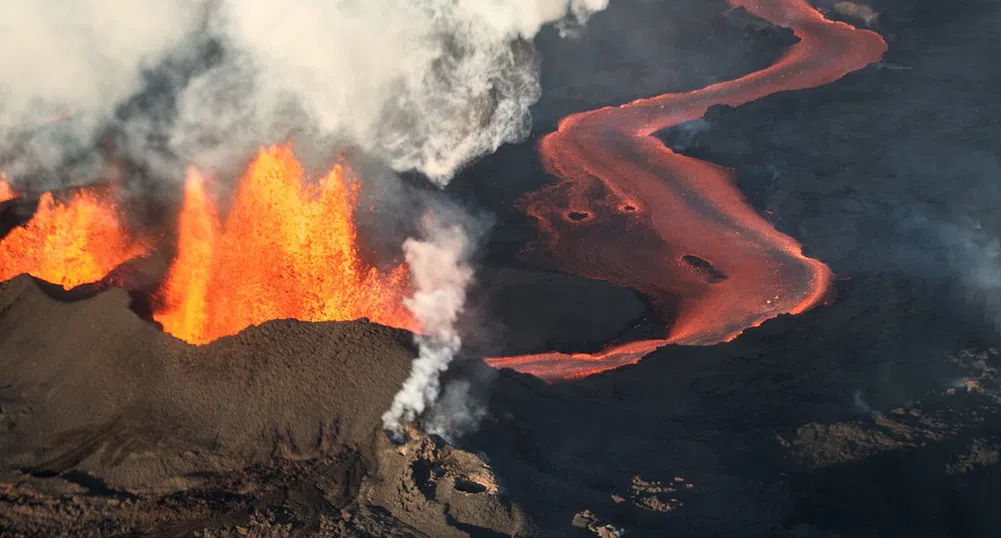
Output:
x=423 y=474
x=578 y=216
x=629 y=208
x=466 y=485
x=706 y=269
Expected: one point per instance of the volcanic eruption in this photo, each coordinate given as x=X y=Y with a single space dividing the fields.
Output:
x=284 y=274
x=72 y=240
x=286 y=249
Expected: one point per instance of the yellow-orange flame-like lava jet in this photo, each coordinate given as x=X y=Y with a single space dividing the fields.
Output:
x=72 y=241
x=288 y=248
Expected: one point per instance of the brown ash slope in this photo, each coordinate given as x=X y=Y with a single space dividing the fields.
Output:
x=109 y=426
x=103 y=391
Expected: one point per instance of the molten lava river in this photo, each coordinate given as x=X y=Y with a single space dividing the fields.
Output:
x=288 y=247
x=702 y=255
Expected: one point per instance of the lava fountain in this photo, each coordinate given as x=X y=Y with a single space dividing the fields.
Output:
x=692 y=244
x=287 y=249
x=72 y=241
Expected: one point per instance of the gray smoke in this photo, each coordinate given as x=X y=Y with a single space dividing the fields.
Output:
x=67 y=64
x=440 y=274
x=456 y=413
x=425 y=85
x=975 y=255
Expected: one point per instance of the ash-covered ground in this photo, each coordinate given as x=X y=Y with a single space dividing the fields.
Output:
x=876 y=415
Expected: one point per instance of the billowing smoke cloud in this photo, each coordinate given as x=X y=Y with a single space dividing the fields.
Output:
x=429 y=85
x=440 y=274
x=67 y=64
x=425 y=85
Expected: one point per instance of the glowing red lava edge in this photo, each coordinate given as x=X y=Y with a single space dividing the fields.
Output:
x=630 y=211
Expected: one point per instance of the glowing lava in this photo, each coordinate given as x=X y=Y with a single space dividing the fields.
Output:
x=68 y=242
x=288 y=248
x=630 y=211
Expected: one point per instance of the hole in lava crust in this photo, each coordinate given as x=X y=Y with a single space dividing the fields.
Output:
x=578 y=216
x=705 y=268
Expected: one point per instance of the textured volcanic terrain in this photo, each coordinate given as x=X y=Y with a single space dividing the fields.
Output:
x=857 y=418
x=877 y=415
x=127 y=429
x=101 y=391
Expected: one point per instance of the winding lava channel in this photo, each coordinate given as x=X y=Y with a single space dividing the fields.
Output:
x=702 y=255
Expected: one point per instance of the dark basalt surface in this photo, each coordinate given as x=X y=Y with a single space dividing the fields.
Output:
x=876 y=415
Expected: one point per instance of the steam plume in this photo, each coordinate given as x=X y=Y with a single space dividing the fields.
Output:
x=441 y=273
x=425 y=85
x=456 y=412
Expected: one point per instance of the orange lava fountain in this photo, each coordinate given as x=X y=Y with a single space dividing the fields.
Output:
x=72 y=242
x=287 y=249
x=705 y=258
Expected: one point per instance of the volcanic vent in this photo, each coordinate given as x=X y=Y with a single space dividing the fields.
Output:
x=75 y=239
x=286 y=247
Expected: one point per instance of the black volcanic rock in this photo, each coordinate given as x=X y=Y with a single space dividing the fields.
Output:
x=514 y=311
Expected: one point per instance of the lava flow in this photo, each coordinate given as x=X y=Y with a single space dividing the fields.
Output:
x=286 y=249
x=68 y=242
x=695 y=247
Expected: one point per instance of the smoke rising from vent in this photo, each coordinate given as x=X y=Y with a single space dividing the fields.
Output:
x=424 y=85
x=456 y=413
x=440 y=274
